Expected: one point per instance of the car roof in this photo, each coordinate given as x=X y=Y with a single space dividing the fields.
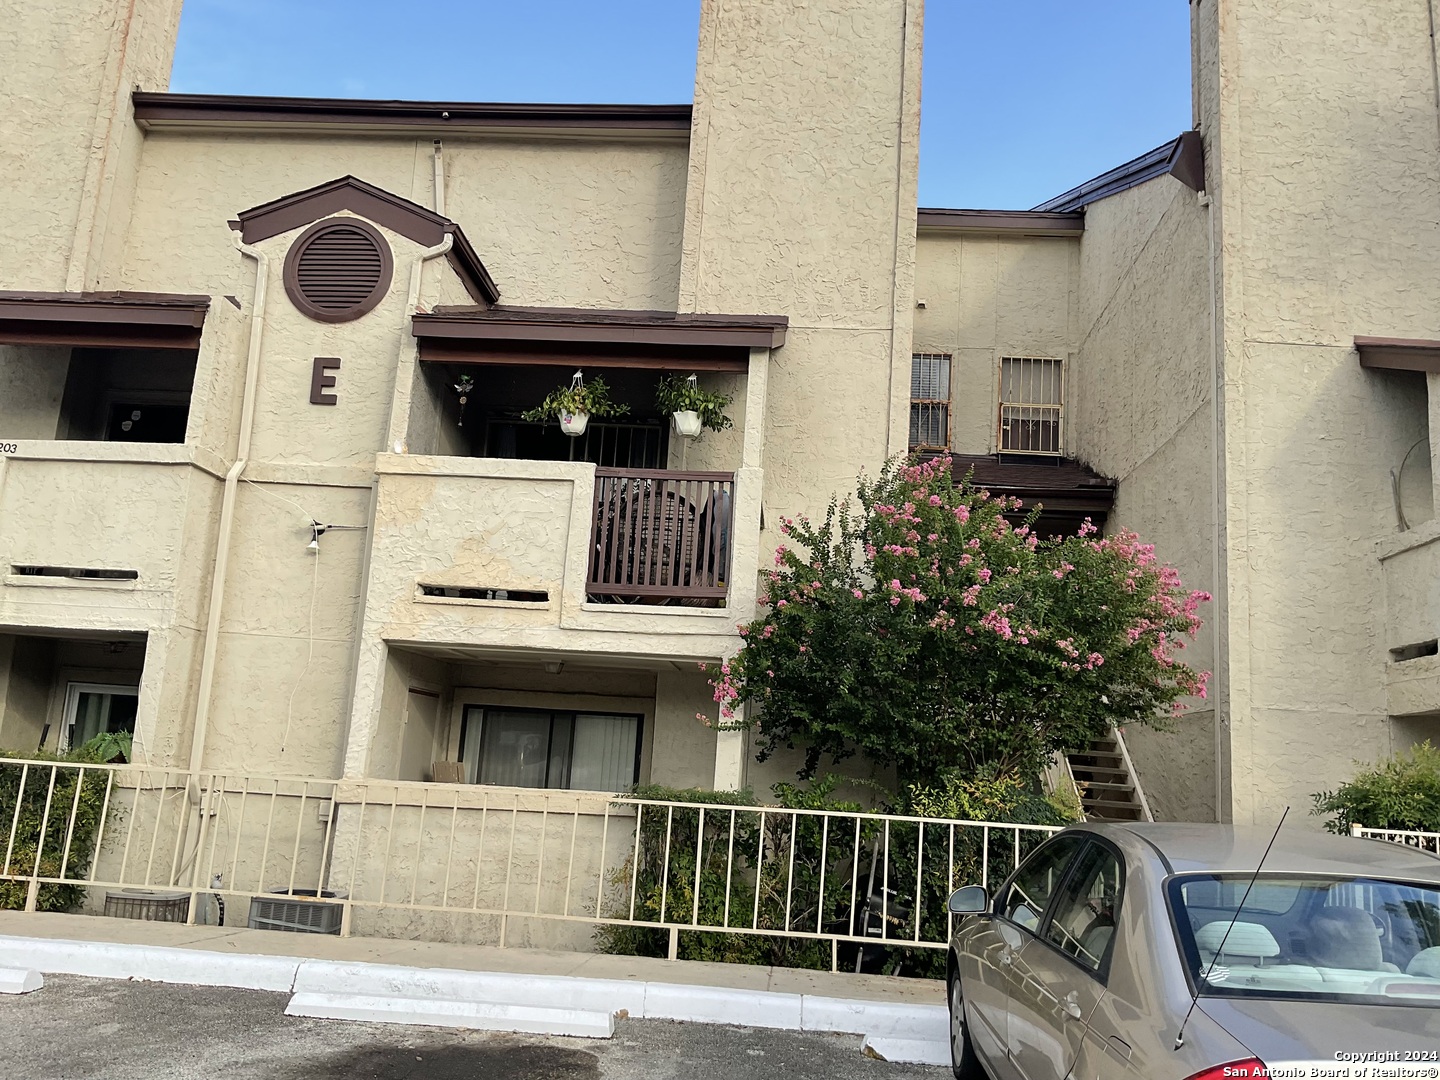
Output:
x=1189 y=848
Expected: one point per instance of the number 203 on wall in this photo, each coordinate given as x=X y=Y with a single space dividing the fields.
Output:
x=9 y=448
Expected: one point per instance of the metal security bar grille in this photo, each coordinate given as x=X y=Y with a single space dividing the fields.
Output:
x=1032 y=403
x=850 y=881
x=930 y=401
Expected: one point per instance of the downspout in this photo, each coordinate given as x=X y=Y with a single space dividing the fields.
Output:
x=439 y=178
x=1217 y=505
x=227 y=508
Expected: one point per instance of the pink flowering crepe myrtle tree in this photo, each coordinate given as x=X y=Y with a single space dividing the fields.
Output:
x=925 y=632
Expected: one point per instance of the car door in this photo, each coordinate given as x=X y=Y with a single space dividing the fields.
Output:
x=987 y=966
x=1059 y=976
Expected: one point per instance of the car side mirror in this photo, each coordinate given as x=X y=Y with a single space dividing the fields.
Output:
x=971 y=900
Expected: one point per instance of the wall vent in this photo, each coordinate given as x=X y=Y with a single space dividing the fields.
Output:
x=454 y=592
x=338 y=270
x=1415 y=651
x=83 y=573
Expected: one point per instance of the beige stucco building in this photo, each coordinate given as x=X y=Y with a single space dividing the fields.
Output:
x=266 y=493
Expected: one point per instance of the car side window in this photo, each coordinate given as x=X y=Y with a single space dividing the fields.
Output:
x=1029 y=891
x=1082 y=924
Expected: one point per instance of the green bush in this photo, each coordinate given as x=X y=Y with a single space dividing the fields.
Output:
x=24 y=810
x=1401 y=793
x=770 y=890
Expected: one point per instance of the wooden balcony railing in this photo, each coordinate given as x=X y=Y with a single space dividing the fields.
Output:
x=661 y=537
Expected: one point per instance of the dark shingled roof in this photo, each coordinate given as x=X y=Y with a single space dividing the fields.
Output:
x=1066 y=490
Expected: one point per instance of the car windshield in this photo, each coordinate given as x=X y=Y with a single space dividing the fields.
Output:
x=1353 y=939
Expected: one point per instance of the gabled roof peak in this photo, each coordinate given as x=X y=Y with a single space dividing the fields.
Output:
x=401 y=215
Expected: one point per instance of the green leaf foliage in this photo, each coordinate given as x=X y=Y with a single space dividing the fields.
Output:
x=40 y=840
x=917 y=627
x=1400 y=793
x=592 y=397
x=675 y=393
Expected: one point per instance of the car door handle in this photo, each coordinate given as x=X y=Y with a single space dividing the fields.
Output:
x=1007 y=958
x=1072 y=1007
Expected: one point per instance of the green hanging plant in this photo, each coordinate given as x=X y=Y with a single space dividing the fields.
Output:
x=592 y=398
x=676 y=394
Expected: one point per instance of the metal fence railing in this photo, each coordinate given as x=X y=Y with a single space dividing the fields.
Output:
x=391 y=858
x=1425 y=841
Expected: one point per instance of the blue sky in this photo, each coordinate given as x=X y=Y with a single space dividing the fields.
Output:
x=1022 y=98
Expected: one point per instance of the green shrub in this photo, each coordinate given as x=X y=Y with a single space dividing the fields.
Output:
x=31 y=825
x=1401 y=793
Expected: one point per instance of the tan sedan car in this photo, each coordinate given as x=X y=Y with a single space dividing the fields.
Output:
x=1086 y=963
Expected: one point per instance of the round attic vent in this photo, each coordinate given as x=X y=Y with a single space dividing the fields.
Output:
x=338 y=269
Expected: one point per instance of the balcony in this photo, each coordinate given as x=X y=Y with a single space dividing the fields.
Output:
x=661 y=537
x=1411 y=566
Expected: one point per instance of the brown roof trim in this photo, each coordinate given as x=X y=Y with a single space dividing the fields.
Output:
x=571 y=355
x=1182 y=157
x=585 y=326
x=1399 y=354
x=132 y=319
x=1024 y=222
x=397 y=214
x=154 y=110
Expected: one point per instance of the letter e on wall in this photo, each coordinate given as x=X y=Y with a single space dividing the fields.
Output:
x=321 y=381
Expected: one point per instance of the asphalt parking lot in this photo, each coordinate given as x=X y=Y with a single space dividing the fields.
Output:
x=92 y=1029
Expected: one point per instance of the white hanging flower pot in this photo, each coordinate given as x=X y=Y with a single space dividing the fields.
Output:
x=574 y=423
x=687 y=423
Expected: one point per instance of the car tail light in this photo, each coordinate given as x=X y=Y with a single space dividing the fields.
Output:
x=1248 y=1067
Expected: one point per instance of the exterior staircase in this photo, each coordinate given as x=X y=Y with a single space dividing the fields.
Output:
x=1106 y=781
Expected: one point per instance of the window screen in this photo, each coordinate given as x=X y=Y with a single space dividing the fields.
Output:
x=1032 y=403
x=542 y=749
x=929 y=401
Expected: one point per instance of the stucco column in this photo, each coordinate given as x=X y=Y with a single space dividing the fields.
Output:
x=730 y=754
x=757 y=381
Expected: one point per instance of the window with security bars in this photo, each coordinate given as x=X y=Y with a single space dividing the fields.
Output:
x=1032 y=403
x=930 y=401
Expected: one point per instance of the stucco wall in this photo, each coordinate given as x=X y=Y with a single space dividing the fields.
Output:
x=29 y=667
x=988 y=296
x=32 y=382
x=1141 y=413
x=800 y=201
x=1330 y=174
x=71 y=146
x=574 y=223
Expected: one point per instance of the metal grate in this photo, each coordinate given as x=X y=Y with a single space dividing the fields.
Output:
x=1032 y=402
x=150 y=905
x=339 y=268
x=302 y=916
x=929 y=401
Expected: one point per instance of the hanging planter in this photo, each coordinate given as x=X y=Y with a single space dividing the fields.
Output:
x=691 y=408
x=573 y=405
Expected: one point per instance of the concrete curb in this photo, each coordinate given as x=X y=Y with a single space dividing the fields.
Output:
x=20 y=980
x=456 y=998
x=435 y=1012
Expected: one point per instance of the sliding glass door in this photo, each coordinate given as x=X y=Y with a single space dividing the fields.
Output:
x=539 y=748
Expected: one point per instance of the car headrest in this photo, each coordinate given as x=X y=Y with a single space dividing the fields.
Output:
x=1345 y=937
x=1426 y=964
x=1244 y=939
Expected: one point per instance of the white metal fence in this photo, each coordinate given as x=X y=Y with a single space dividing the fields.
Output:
x=523 y=867
x=1425 y=841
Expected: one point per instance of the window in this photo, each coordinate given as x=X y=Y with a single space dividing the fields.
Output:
x=1084 y=920
x=541 y=749
x=1032 y=886
x=1032 y=397
x=930 y=401
x=93 y=709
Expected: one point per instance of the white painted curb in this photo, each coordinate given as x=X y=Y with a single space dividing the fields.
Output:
x=150 y=963
x=908 y=1051
x=454 y=998
x=20 y=980
x=438 y=1012
x=547 y=991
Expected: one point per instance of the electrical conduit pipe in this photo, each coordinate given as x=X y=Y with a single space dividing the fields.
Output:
x=227 y=511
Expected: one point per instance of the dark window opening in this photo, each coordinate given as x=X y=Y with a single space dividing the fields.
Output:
x=87 y=573
x=127 y=395
x=1415 y=651
x=453 y=592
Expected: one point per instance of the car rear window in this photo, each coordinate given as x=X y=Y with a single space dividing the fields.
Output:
x=1361 y=940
